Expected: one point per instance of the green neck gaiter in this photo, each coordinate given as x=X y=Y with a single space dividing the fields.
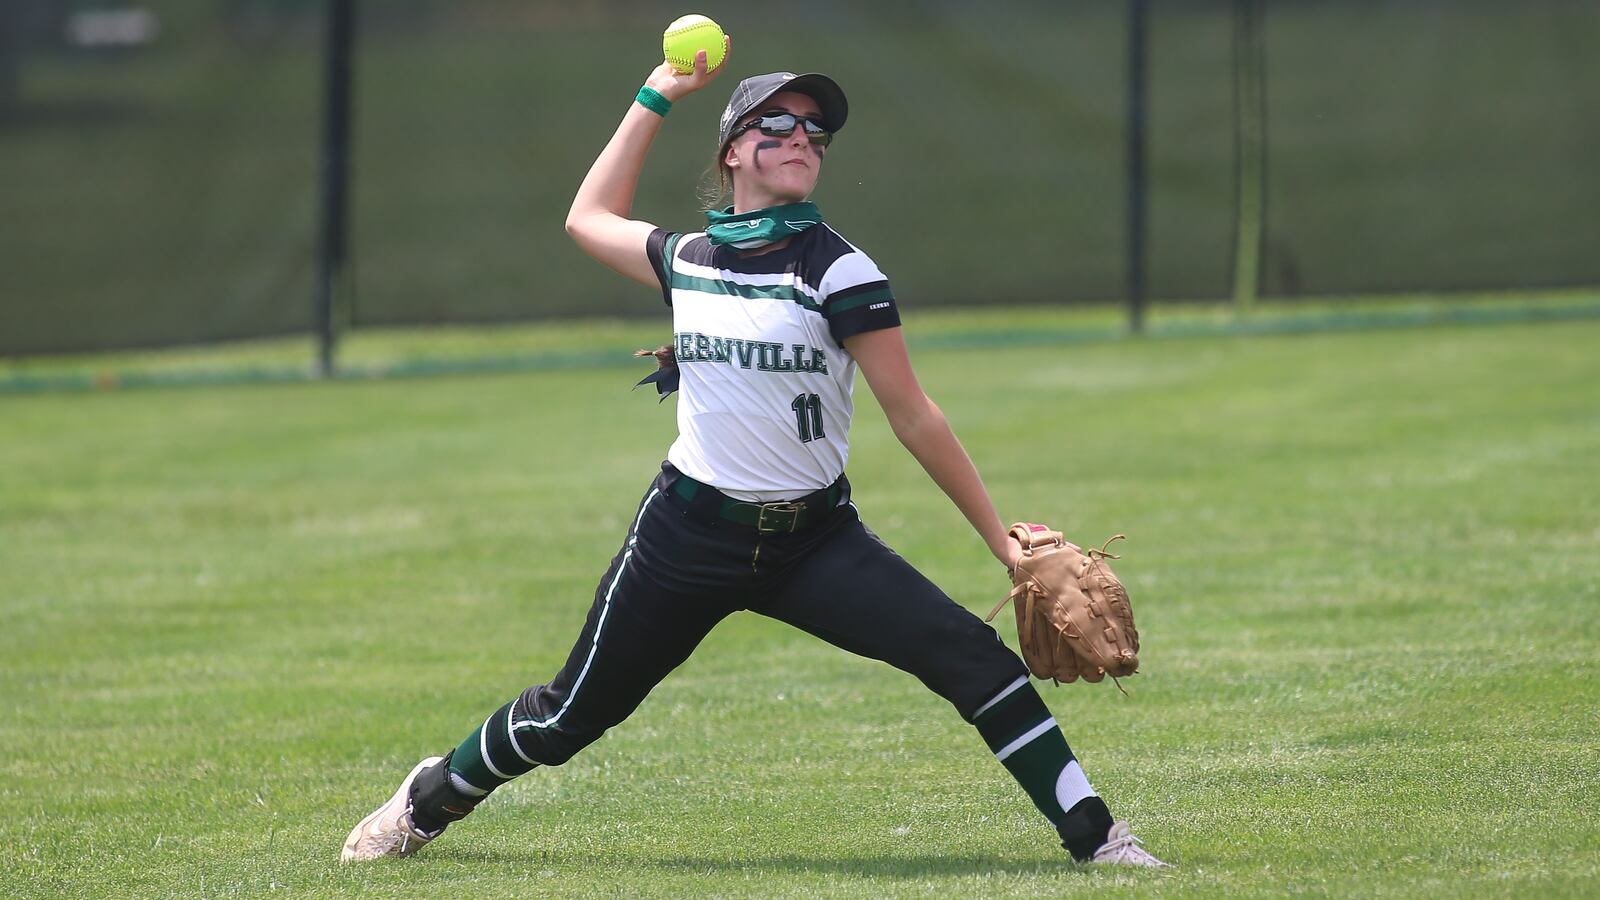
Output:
x=760 y=227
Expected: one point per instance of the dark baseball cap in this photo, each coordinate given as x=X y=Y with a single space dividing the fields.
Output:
x=758 y=89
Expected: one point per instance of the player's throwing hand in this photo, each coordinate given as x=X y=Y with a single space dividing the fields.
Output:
x=674 y=85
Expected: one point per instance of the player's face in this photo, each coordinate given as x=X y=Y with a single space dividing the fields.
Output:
x=768 y=169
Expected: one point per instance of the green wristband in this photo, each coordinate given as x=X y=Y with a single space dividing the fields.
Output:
x=652 y=100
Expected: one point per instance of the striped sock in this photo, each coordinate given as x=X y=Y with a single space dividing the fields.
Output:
x=1023 y=735
x=489 y=757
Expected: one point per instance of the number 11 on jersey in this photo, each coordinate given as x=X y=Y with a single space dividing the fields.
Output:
x=808 y=417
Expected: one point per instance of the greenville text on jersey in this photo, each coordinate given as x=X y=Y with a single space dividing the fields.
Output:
x=763 y=356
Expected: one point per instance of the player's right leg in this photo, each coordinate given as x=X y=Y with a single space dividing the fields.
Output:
x=857 y=594
x=638 y=630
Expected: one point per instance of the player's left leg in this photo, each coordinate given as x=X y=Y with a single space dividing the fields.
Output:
x=645 y=620
x=851 y=590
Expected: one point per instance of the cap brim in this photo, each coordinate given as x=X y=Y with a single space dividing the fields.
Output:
x=824 y=90
x=829 y=96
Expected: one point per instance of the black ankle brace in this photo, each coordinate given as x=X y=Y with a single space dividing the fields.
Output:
x=1084 y=828
x=435 y=803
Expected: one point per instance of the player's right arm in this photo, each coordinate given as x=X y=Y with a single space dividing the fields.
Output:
x=599 y=219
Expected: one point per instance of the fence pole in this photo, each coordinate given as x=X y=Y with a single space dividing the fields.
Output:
x=1138 y=88
x=1250 y=150
x=333 y=243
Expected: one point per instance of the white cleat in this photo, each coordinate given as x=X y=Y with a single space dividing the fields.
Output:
x=1123 y=849
x=388 y=831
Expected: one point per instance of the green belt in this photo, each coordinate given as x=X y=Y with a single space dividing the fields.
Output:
x=767 y=518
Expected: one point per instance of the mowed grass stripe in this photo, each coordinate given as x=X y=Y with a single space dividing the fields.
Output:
x=1364 y=567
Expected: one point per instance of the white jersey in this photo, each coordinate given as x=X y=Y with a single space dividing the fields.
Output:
x=765 y=390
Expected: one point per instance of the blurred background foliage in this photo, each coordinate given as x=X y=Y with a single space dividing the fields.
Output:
x=160 y=159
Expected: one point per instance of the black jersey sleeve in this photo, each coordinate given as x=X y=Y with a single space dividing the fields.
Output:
x=856 y=297
x=865 y=307
x=659 y=247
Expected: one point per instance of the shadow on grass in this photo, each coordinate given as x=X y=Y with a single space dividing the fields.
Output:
x=906 y=867
x=919 y=866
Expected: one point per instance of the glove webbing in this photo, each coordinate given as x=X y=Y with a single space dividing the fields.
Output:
x=1025 y=590
x=1020 y=589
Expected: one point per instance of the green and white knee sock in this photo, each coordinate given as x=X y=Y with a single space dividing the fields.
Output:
x=489 y=757
x=1023 y=735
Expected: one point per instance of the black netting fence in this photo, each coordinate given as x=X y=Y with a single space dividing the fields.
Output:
x=160 y=159
x=157 y=172
x=972 y=168
x=1431 y=145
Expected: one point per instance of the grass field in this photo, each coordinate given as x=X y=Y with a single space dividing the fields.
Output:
x=1366 y=567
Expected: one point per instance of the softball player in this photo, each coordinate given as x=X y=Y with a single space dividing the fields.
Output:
x=773 y=312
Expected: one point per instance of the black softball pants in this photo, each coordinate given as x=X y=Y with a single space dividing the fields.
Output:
x=678 y=574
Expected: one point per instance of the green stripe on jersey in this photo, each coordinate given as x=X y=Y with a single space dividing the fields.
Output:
x=748 y=291
x=863 y=299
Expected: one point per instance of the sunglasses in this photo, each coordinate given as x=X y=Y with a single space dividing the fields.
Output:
x=783 y=125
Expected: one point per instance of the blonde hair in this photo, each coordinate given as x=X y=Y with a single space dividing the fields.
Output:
x=715 y=190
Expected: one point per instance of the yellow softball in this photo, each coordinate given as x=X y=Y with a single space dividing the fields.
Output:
x=687 y=36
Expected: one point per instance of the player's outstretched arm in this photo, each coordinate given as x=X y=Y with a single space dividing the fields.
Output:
x=599 y=219
x=925 y=432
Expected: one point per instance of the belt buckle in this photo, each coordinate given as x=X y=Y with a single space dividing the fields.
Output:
x=793 y=509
